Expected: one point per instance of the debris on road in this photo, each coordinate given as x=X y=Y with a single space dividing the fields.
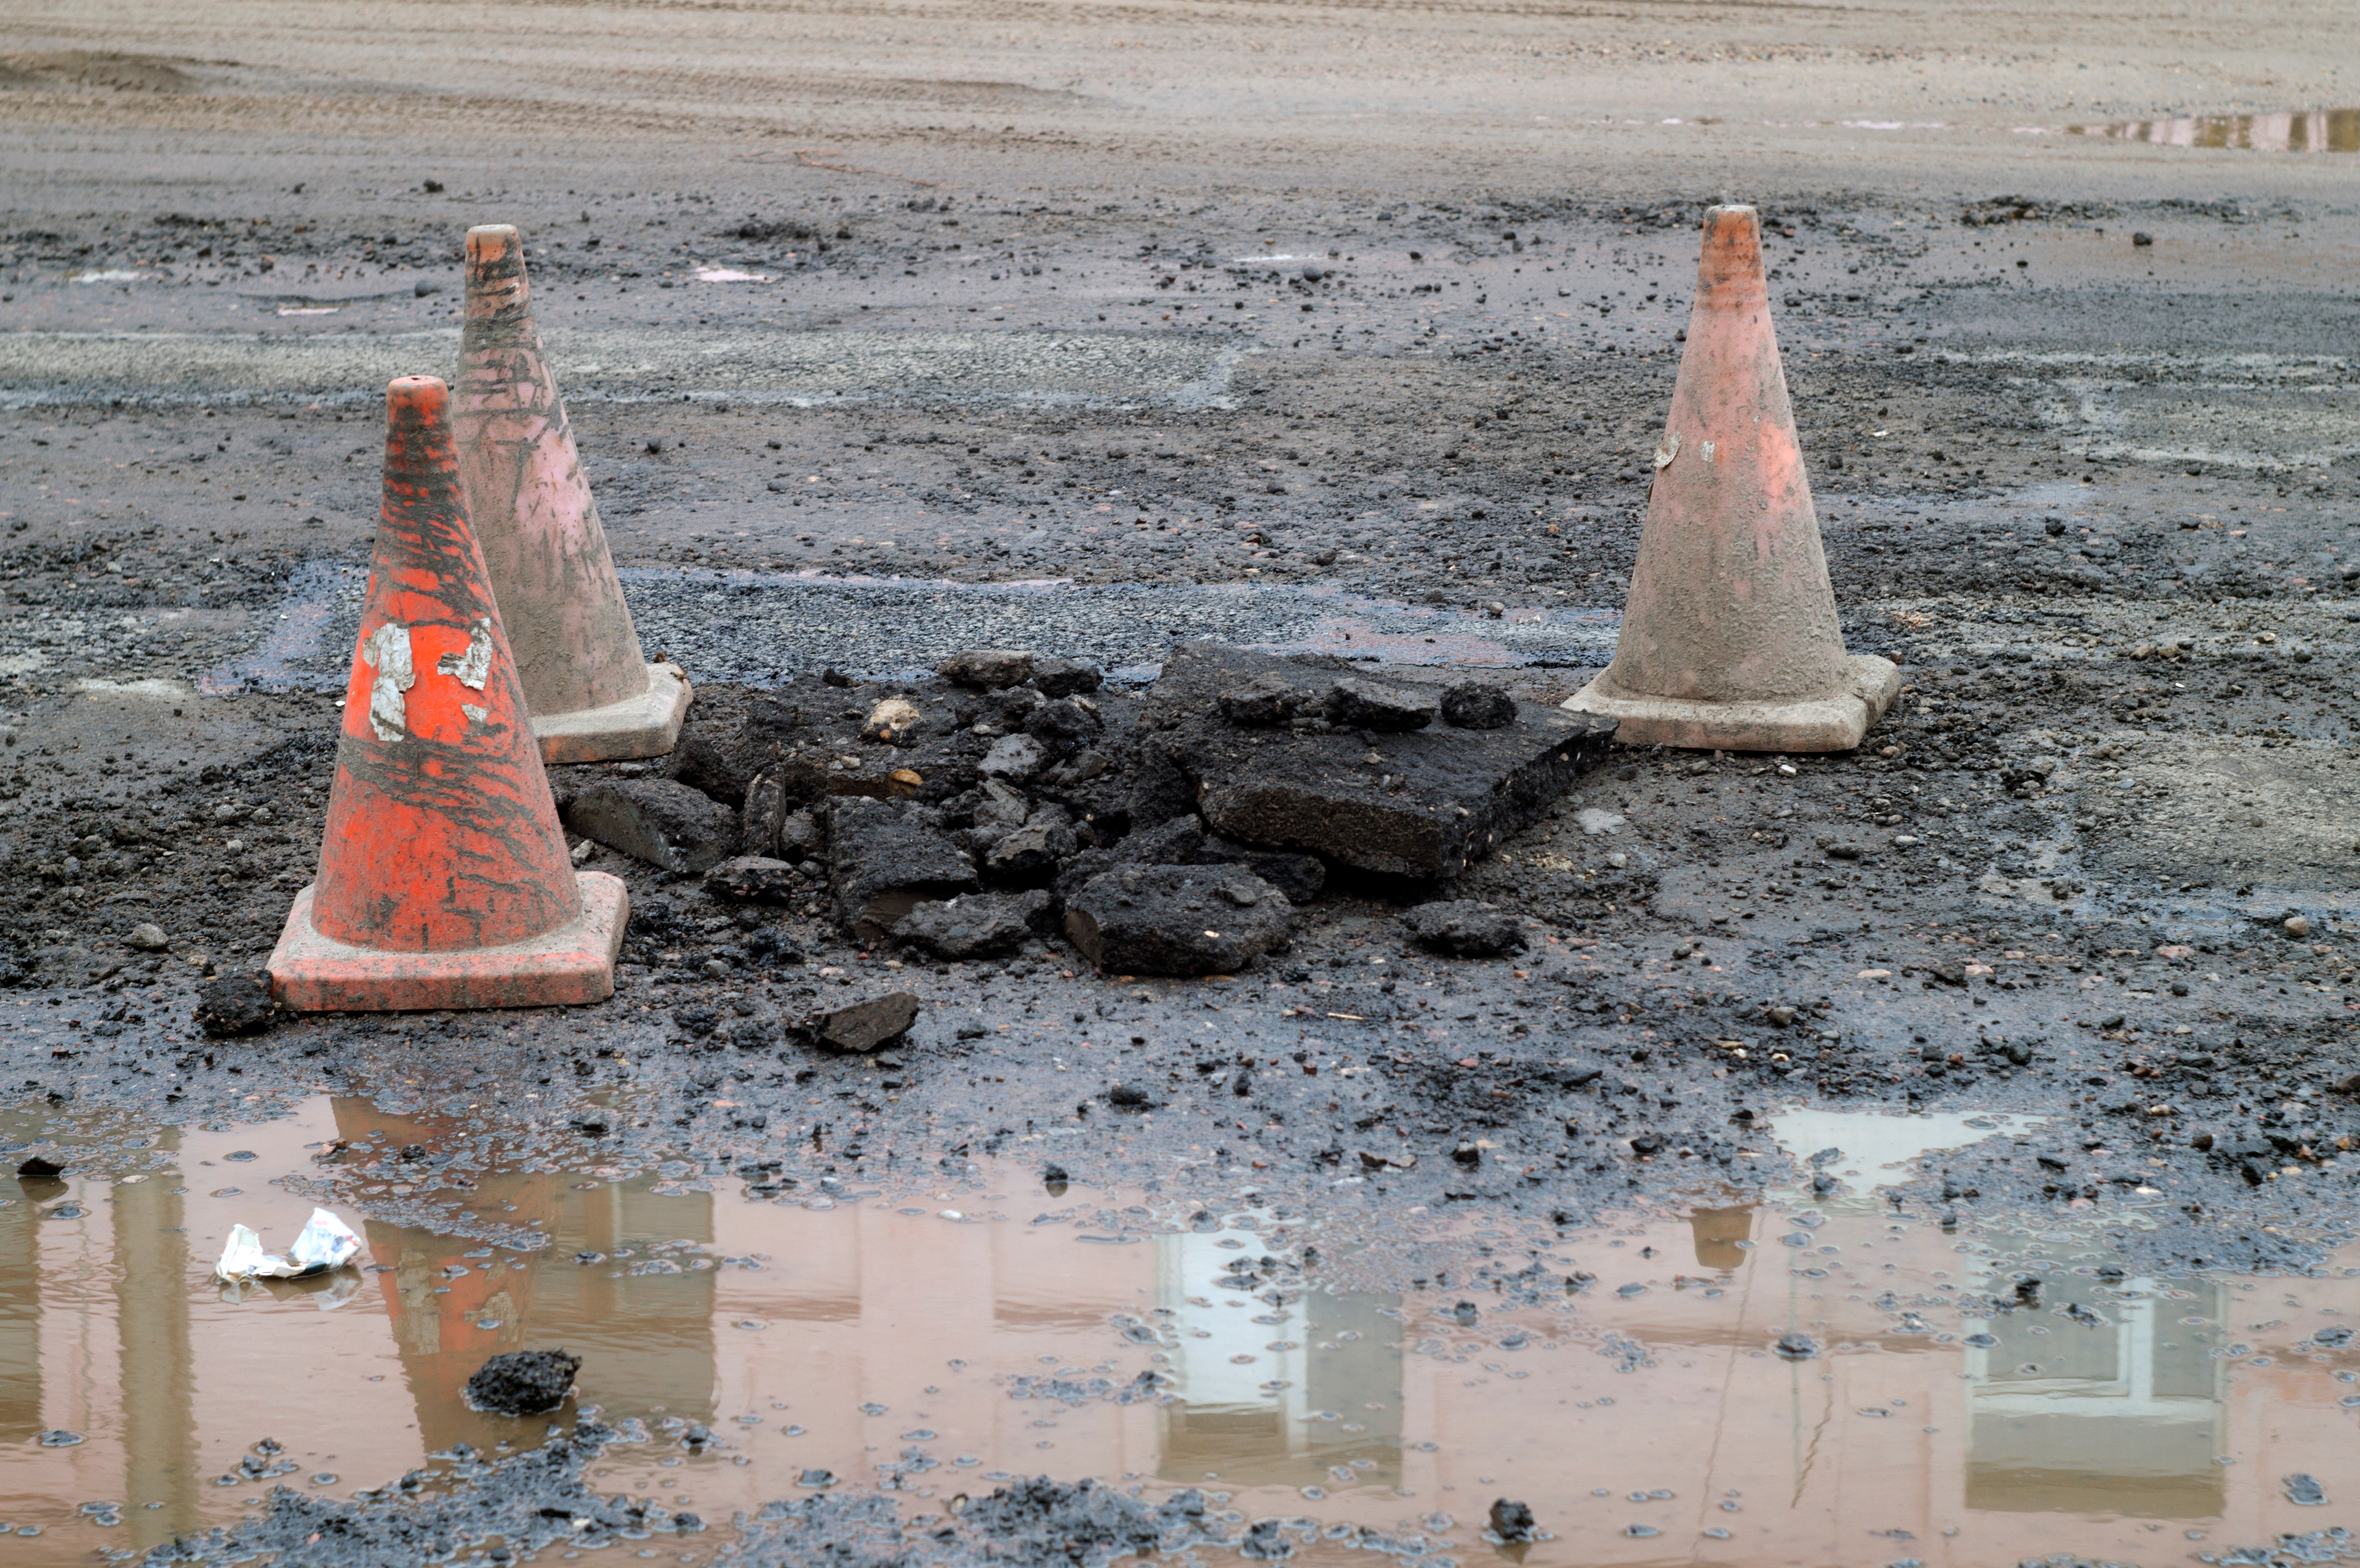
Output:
x=866 y=1026
x=523 y=1382
x=1177 y=920
x=324 y=1243
x=660 y=820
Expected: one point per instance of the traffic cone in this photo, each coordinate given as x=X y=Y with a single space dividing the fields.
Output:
x=444 y=876
x=593 y=695
x=1730 y=636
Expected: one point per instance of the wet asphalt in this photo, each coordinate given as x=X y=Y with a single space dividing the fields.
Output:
x=2098 y=864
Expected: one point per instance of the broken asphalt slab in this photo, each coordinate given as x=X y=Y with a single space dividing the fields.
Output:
x=1419 y=804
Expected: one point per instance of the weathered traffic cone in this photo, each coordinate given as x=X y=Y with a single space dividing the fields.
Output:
x=1730 y=636
x=593 y=695
x=444 y=877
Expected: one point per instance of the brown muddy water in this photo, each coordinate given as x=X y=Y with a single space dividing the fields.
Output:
x=1361 y=1370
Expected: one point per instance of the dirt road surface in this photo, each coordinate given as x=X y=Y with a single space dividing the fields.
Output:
x=892 y=331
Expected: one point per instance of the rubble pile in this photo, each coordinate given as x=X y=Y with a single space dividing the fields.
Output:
x=1015 y=796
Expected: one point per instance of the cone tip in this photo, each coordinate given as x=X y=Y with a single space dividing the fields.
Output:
x=494 y=270
x=1732 y=225
x=422 y=397
x=1729 y=261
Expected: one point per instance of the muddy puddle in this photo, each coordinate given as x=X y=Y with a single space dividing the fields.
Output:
x=1829 y=1379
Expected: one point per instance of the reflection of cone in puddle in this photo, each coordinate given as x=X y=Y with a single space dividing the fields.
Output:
x=1716 y=1233
x=1730 y=636
x=444 y=877
x=593 y=696
x=447 y=1325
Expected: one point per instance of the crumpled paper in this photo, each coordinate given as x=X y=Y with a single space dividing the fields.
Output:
x=325 y=1243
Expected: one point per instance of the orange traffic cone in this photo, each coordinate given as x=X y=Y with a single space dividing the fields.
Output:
x=1730 y=636
x=593 y=696
x=444 y=877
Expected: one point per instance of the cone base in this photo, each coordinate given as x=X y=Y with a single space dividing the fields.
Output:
x=570 y=966
x=1835 y=721
x=645 y=725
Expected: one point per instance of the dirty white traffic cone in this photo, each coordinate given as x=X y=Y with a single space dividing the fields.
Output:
x=1730 y=636
x=593 y=696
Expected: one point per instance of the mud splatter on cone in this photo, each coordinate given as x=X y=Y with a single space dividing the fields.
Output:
x=444 y=876
x=1730 y=638
x=592 y=695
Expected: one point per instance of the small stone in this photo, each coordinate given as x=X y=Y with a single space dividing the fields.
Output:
x=1126 y=1097
x=36 y=1168
x=1063 y=725
x=1177 y=920
x=1796 y=1346
x=990 y=668
x=2304 y=1491
x=661 y=821
x=759 y=818
x=234 y=1005
x=1512 y=1520
x=978 y=925
x=2297 y=927
x=799 y=836
x=523 y=1382
x=147 y=937
x=1016 y=757
x=894 y=721
x=1362 y=704
x=753 y=878
x=1780 y=1017
x=865 y=1026
x=1462 y=928
x=1472 y=705
x=1372 y=1160
x=1028 y=856
x=1056 y=677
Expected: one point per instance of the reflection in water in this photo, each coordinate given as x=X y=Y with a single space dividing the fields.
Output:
x=935 y=1344
x=1273 y=1387
x=151 y=1300
x=2319 y=130
x=2121 y=1408
x=1716 y=1233
x=20 y=1314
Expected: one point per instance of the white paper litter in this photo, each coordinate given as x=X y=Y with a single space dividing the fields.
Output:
x=325 y=1243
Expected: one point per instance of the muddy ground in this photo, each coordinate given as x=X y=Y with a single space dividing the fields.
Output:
x=2080 y=415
